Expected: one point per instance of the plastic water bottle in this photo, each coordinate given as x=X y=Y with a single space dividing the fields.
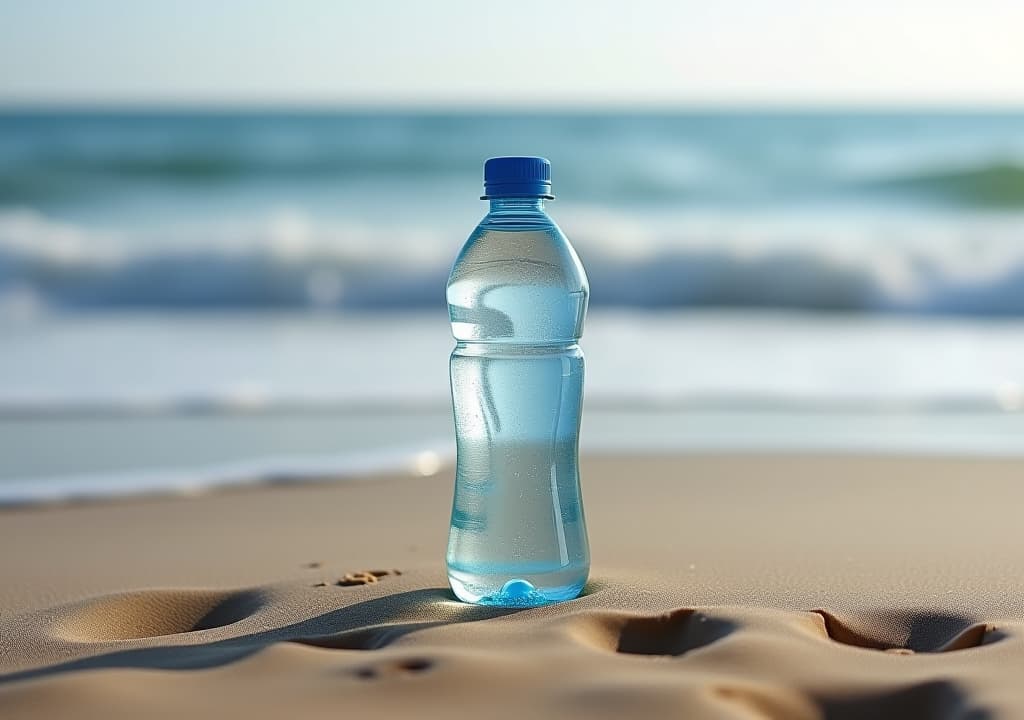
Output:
x=517 y=297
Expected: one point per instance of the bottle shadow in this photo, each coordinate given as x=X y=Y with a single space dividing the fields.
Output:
x=368 y=625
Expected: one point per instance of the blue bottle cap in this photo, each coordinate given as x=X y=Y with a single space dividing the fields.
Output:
x=517 y=177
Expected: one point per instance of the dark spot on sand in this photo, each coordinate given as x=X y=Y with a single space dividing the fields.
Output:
x=393 y=668
x=416 y=664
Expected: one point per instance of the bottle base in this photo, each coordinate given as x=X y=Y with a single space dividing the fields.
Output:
x=511 y=593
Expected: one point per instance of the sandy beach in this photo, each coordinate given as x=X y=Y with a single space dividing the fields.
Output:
x=722 y=587
x=748 y=278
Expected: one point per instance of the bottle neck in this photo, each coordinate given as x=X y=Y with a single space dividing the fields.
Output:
x=516 y=205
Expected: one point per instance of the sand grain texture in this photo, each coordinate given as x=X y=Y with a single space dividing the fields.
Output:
x=722 y=587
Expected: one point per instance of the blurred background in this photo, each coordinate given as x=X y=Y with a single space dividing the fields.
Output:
x=225 y=228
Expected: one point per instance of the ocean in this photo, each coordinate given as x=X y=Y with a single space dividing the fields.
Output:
x=192 y=298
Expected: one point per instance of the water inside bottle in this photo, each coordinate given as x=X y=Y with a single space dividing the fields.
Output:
x=518 y=533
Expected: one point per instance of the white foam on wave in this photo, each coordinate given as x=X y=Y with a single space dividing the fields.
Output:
x=965 y=264
x=421 y=461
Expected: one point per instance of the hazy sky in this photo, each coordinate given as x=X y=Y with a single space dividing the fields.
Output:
x=473 y=52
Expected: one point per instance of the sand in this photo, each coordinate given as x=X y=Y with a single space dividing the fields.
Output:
x=722 y=587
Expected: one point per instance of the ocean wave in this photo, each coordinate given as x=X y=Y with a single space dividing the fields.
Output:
x=653 y=165
x=71 y=176
x=115 y=160
x=228 y=163
x=959 y=269
x=998 y=184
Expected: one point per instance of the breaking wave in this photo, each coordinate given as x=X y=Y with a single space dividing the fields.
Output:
x=972 y=269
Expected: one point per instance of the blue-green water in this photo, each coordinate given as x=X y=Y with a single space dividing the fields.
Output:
x=910 y=212
x=201 y=292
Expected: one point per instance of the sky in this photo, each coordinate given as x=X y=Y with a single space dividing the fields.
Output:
x=531 y=53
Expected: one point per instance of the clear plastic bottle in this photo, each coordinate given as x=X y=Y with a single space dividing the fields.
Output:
x=517 y=297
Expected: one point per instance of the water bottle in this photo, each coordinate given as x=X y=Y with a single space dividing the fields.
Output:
x=517 y=296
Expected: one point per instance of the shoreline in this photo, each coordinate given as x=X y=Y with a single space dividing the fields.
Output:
x=142 y=456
